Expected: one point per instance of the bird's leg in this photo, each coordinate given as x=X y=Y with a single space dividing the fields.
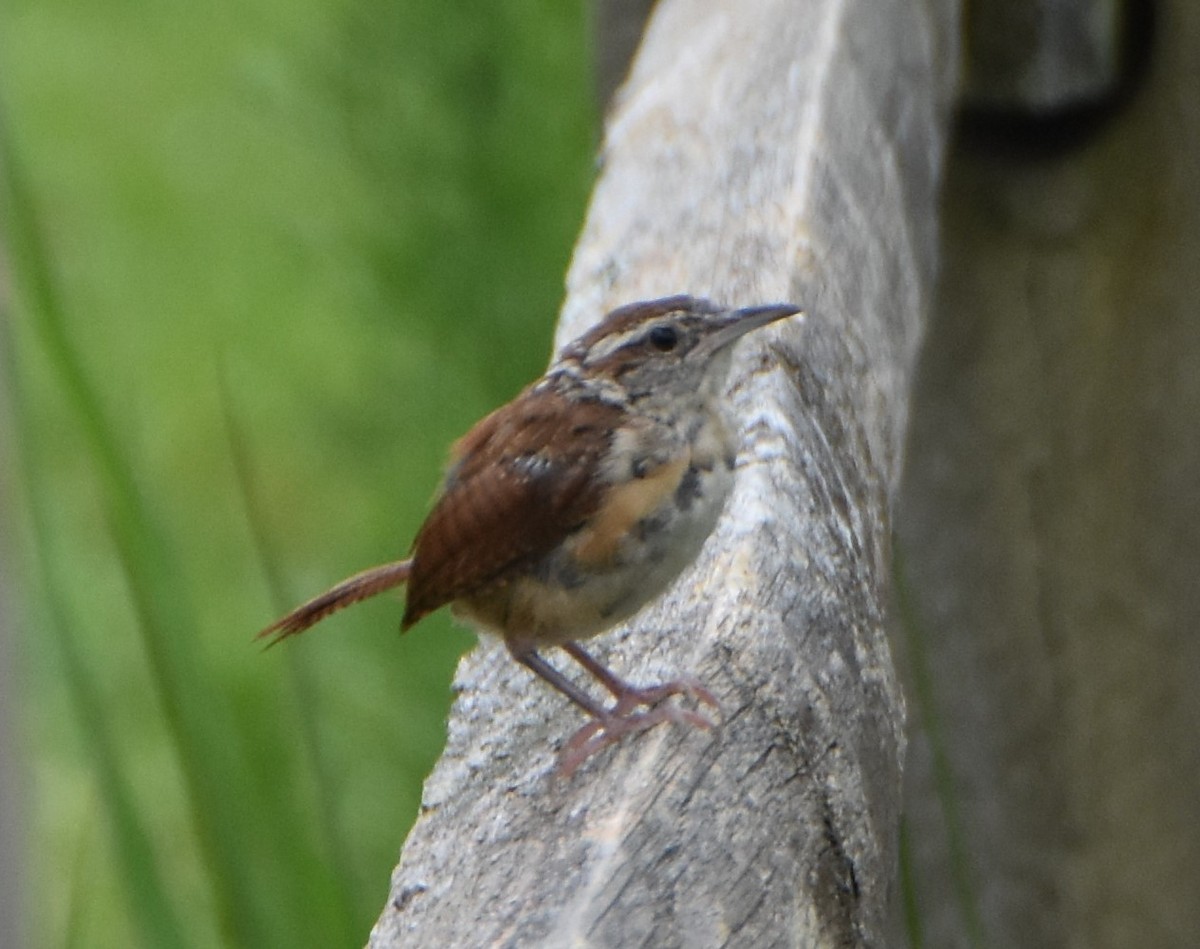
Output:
x=610 y=725
x=629 y=696
x=541 y=668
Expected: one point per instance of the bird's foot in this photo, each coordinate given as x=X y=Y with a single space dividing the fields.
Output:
x=631 y=696
x=623 y=720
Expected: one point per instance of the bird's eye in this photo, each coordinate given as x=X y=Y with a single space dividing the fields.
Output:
x=663 y=338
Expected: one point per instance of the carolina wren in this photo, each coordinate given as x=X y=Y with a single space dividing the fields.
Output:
x=571 y=507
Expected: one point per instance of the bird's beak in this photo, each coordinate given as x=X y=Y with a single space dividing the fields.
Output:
x=737 y=323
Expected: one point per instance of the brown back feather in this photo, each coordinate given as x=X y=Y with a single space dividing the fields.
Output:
x=506 y=501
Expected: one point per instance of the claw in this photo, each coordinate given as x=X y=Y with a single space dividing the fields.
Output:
x=686 y=686
x=622 y=720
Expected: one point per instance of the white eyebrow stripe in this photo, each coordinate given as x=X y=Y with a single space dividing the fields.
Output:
x=610 y=344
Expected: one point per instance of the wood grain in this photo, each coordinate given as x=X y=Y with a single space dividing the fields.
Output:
x=775 y=150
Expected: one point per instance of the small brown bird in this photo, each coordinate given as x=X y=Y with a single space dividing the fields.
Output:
x=567 y=510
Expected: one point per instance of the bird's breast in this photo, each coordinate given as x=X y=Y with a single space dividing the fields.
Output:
x=653 y=518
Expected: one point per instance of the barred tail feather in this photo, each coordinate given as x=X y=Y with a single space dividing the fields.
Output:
x=361 y=586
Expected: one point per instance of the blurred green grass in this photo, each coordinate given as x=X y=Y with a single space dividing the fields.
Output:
x=267 y=260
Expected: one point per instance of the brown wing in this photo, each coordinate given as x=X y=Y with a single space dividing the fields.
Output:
x=508 y=498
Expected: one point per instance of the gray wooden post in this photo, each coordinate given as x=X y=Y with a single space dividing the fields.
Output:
x=775 y=150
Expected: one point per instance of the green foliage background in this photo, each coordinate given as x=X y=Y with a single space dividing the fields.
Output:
x=266 y=259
